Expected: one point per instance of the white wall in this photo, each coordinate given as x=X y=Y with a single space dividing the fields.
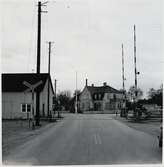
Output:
x=85 y=100
x=44 y=97
x=11 y=103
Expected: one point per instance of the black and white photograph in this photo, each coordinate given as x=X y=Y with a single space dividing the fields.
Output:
x=82 y=82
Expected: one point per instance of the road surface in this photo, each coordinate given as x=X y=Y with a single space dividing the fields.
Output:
x=87 y=139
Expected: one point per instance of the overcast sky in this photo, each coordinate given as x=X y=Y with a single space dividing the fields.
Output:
x=87 y=36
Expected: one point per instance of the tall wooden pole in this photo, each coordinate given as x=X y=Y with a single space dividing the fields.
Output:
x=33 y=117
x=135 y=71
x=76 y=95
x=135 y=68
x=39 y=38
x=123 y=78
x=55 y=88
x=38 y=64
x=48 y=92
x=38 y=61
x=123 y=84
x=49 y=60
x=56 y=102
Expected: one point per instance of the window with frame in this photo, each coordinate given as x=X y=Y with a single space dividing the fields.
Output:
x=25 y=107
x=114 y=96
x=28 y=107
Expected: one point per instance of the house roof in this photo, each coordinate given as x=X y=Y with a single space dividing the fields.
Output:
x=101 y=90
x=13 y=82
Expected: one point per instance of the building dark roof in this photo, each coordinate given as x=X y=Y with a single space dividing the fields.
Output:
x=13 y=82
x=101 y=90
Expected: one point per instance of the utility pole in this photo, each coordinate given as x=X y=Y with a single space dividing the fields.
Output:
x=135 y=68
x=76 y=95
x=55 y=87
x=39 y=38
x=48 y=92
x=123 y=83
x=38 y=60
x=55 y=99
x=135 y=71
x=57 y=103
x=123 y=78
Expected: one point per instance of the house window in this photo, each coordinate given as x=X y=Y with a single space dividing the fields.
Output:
x=26 y=107
x=23 y=107
x=114 y=96
x=99 y=96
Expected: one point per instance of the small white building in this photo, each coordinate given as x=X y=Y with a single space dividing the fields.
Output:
x=17 y=104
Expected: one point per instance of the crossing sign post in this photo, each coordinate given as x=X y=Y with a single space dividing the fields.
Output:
x=31 y=89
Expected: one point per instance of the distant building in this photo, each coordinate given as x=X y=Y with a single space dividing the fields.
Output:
x=100 y=99
x=16 y=103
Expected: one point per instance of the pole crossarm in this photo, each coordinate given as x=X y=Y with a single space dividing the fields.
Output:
x=44 y=11
x=44 y=3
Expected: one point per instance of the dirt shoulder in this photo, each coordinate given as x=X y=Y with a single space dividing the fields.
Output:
x=150 y=126
x=17 y=132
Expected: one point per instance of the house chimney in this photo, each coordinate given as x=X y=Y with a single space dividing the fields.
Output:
x=86 y=82
x=92 y=85
x=104 y=84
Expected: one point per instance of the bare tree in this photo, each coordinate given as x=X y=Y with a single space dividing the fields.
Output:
x=156 y=96
x=131 y=93
x=63 y=99
x=151 y=92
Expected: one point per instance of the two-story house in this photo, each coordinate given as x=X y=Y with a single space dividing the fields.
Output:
x=100 y=99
